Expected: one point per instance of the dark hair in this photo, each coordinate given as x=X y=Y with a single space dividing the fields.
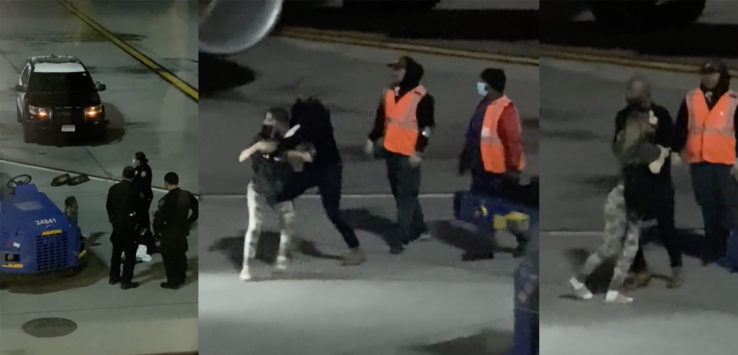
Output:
x=129 y=172
x=171 y=178
x=140 y=156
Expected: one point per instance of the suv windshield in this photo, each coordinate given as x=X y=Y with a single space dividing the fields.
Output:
x=60 y=82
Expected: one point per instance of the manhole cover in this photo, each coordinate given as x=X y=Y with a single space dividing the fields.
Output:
x=49 y=327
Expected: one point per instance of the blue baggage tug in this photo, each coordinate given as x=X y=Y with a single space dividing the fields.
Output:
x=490 y=214
x=36 y=237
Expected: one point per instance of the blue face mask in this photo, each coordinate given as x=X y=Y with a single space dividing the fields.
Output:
x=482 y=88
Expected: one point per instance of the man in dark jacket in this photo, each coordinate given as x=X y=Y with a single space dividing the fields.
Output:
x=310 y=123
x=176 y=212
x=403 y=168
x=649 y=195
x=142 y=182
x=121 y=208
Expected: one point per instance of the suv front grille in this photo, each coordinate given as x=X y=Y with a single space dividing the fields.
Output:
x=51 y=251
x=67 y=114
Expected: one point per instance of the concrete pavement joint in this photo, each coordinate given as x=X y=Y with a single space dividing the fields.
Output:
x=102 y=308
x=334 y=37
x=157 y=68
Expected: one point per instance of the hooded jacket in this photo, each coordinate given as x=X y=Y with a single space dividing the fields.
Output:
x=310 y=124
x=425 y=111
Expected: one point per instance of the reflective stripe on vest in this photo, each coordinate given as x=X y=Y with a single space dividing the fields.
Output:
x=401 y=121
x=492 y=149
x=711 y=133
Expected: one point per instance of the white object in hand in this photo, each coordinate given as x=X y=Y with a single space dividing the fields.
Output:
x=656 y=165
x=369 y=148
x=415 y=160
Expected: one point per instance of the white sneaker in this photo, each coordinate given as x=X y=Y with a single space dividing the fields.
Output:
x=580 y=289
x=615 y=297
x=425 y=237
x=282 y=263
x=245 y=274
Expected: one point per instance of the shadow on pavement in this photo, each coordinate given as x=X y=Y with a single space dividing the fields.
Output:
x=492 y=342
x=503 y=25
x=221 y=74
x=363 y=219
x=266 y=249
x=474 y=244
x=155 y=271
x=94 y=271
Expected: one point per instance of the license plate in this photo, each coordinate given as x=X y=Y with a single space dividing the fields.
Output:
x=68 y=128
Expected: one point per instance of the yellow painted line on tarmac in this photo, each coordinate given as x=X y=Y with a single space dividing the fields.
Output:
x=157 y=68
x=622 y=61
x=342 y=38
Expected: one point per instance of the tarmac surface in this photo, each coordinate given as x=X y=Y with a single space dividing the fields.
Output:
x=426 y=301
x=147 y=114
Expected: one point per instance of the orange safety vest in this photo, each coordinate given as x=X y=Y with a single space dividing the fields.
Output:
x=711 y=133
x=401 y=121
x=493 y=152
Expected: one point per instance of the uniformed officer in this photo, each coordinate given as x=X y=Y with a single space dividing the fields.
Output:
x=404 y=120
x=121 y=203
x=705 y=134
x=176 y=212
x=142 y=182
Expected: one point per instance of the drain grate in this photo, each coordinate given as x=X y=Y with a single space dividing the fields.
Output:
x=49 y=327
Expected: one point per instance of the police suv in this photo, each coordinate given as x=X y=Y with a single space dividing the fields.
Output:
x=56 y=98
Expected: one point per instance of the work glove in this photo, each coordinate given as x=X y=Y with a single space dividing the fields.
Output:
x=415 y=160
x=655 y=166
x=369 y=148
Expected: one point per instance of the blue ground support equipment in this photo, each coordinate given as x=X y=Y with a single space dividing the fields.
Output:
x=35 y=235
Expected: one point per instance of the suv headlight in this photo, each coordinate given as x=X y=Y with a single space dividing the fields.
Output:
x=93 y=111
x=39 y=112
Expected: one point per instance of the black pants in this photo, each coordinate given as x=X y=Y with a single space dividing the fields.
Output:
x=123 y=244
x=715 y=192
x=501 y=186
x=649 y=196
x=405 y=184
x=175 y=266
x=328 y=179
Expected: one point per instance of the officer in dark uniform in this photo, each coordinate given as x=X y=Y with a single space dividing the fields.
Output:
x=172 y=222
x=142 y=182
x=121 y=214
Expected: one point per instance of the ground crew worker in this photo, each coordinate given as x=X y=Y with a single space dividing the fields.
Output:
x=176 y=212
x=705 y=134
x=633 y=148
x=142 y=181
x=494 y=143
x=649 y=195
x=310 y=124
x=121 y=208
x=404 y=120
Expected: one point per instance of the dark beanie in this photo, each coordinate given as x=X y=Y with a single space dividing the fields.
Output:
x=495 y=78
x=140 y=156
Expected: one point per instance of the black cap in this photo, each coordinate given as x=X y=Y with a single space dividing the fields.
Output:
x=495 y=78
x=714 y=66
x=129 y=172
x=140 y=156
